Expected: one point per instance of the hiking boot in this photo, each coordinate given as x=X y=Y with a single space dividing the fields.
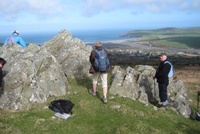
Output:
x=91 y=91
x=105 y=100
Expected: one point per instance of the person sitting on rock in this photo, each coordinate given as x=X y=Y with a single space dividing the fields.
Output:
x=15 y=39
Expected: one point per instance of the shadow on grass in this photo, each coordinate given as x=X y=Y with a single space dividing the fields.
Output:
x=85 y=82
x=98 y=96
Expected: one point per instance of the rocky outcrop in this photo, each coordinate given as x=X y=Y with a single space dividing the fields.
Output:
x=37 y=72
x=137 y=84
x=71 y=53
x=31 y=77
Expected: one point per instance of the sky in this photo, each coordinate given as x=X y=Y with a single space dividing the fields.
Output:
x=54 y=15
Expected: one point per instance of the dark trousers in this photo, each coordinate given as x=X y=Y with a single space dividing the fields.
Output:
x=162 y=92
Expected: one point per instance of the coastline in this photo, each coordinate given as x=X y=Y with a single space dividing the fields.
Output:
x=131 y=44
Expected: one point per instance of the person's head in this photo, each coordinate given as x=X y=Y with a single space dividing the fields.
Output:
x=98 y=45
x=163 y=56
x=2 y=62
x=15 y=32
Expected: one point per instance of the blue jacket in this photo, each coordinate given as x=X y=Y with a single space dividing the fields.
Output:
x=17 y=39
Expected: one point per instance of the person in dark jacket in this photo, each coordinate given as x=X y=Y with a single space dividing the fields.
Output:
x=2 y=63
x=96 y=73
x=163 y=79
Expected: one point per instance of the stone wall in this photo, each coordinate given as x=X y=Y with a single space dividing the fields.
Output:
x=130 y=56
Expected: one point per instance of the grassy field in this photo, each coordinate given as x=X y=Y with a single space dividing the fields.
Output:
x=173 y=37
x=91 y=116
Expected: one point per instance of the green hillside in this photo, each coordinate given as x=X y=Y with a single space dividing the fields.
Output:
x=91 y=116
x=172 y=37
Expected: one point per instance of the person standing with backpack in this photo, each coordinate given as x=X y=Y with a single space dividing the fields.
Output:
x=162 y=76
x=100 y=66
x=15 y=39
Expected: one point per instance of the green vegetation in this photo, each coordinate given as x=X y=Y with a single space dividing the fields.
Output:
x=91 y=116
x=194 y=86
x=173 y=37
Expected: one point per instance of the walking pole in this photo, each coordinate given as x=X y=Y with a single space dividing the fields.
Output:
x=198 y=94
x=154 y=83
x=198 y=114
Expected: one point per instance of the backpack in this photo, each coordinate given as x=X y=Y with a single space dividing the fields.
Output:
x=61 y=106
x=101 y=61
x=171 y=72
x=11 y=40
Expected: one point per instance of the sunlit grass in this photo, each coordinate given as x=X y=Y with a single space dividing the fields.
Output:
x=91 y=116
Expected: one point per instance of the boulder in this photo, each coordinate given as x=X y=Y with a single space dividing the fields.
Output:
x=138 y=84
x=35 y=73
x=71 y=53
x=32 y=75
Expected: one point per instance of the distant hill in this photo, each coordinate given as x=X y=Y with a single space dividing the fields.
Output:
x=163 y=31
x=170 y=36
x=168 y=28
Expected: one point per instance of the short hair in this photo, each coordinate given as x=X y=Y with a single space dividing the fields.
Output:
x=2 y=61
x=98 y=45
x=162 y=54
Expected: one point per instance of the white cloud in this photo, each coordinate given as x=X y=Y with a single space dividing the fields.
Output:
x=196 y=4
x=153 y=8
x=45 y=7
x=93 y=7
x=10 y=9
x=74 y=13
x=193 y=5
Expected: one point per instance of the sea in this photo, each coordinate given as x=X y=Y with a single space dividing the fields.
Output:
x=87 y=36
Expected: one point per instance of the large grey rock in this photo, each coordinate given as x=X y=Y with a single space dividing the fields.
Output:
x=179 y=97
x=37 y=72
x=71 y=53
x=137 y=83
x=33 y=75
x=124 y=82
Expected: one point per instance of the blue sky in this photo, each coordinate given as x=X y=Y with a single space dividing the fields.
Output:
x=54 y=15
